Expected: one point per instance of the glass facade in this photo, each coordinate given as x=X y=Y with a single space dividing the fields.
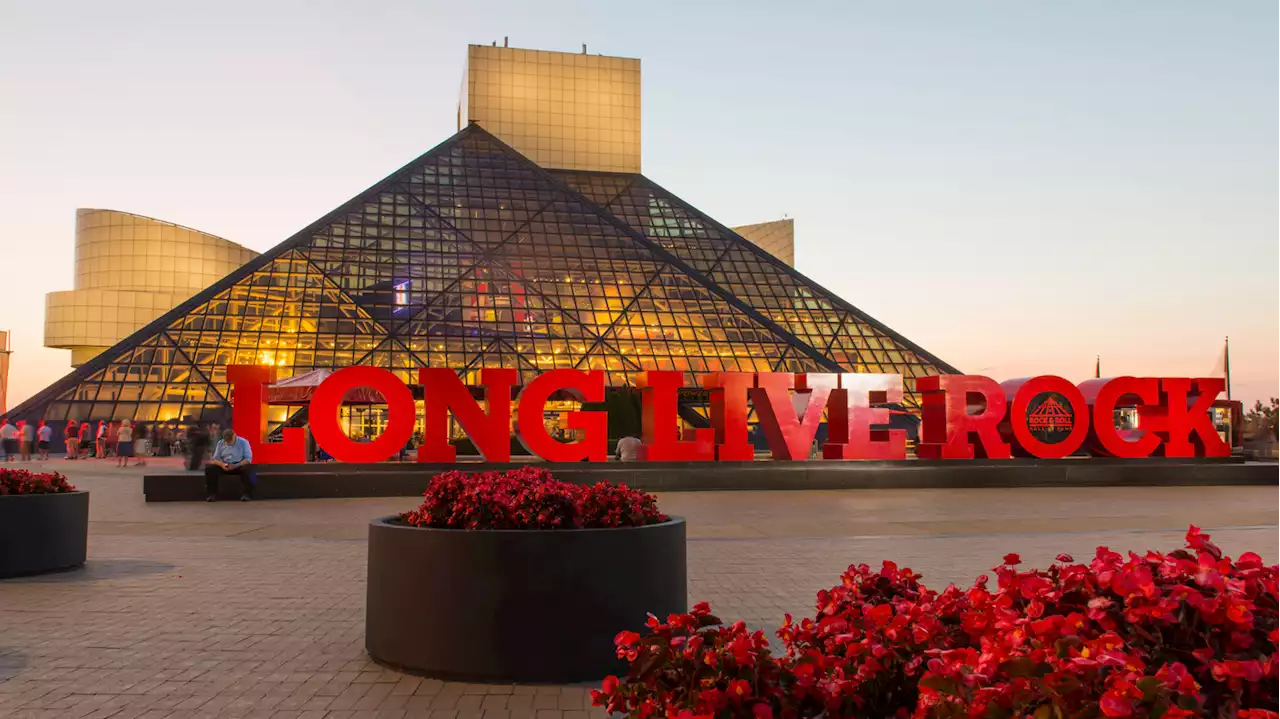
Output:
x=472 y=256
x=823 y=328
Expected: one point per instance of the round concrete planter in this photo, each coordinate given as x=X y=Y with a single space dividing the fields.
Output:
x=517 y=605
x=42 y=532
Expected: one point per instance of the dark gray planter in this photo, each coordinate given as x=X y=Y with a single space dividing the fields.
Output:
x=42 y=532
x=517 y=606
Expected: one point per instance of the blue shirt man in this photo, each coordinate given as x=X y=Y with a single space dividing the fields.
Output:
x=231 y=455
x=232 y=450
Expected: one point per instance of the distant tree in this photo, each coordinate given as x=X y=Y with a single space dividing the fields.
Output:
x=1264 y=415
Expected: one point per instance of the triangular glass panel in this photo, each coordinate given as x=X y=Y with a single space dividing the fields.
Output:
x=601 y=188
x=396 y=269
x=494 y=303
x=676 y=324
x=619 y=369
x=670 y=225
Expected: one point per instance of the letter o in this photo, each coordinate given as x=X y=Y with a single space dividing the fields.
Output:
x=327 y=401
x=1079 y=417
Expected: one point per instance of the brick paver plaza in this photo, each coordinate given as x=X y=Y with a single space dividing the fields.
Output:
x=257 y=609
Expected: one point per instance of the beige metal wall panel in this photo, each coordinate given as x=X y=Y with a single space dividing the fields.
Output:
x=120 y=251
x=129 y=270
x=778 y=238
x=561 y=110
x=101 y=318
x=80 y=355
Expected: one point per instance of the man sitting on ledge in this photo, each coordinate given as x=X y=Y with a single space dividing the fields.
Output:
x=232 y=455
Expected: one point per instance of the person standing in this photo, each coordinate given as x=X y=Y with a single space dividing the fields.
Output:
x=73 y=439
x=160 y=440
x=141 y=448
x=232 y=455
x=197 y=445
x=124 y=443
x=8 y=439
x=311 y=442
x=100 y=440
x=86 y=439
x=28 y=432
x=404 y=451
x=44 y=433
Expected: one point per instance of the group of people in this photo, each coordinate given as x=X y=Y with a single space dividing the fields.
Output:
x=22 y=440
x=127 y=440
x=122 y=440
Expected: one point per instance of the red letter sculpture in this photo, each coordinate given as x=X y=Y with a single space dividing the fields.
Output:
x=729 y=414
x=850 y=417
x=584 y=386
x=659 y=416
x=1049 y=415
x=1182 y=419
x=248 y=397
x=789 y=436
x=443 y=392
x=326 y=405
x=1106 y=395
x=947 y=430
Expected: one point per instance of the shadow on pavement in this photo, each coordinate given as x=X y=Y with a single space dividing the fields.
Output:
x=95 y=570
x=12 y=662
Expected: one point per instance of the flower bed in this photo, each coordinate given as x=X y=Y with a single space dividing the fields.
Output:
x=44 y=523
x=518 y=577
x=20 y=481
x=1187 y=633
x=529 y=498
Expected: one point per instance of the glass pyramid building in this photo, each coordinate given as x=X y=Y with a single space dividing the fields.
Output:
x=473 y=256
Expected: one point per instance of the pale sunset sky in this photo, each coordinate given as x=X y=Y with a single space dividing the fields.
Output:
x=1017 y=187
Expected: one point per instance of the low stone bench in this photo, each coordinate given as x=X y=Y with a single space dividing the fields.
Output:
x=410 y=479
x=293 y=483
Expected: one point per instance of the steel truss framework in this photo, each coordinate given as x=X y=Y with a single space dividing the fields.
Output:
x=472 y=256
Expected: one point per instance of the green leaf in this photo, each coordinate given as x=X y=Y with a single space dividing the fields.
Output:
x=1019 y=667
x=941 y=684
x=1150 y=687
x=648 y=662
x=1044 y=712
x=1065 y=644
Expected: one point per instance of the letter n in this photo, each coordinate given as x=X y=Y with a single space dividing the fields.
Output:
x=443 y=393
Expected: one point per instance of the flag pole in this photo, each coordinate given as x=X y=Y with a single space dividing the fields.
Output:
x=1097 y=366
x=1226 y=364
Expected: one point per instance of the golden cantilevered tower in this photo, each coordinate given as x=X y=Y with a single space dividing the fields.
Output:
x=562 y=110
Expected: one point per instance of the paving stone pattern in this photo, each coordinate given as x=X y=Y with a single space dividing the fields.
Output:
x=257 y=609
